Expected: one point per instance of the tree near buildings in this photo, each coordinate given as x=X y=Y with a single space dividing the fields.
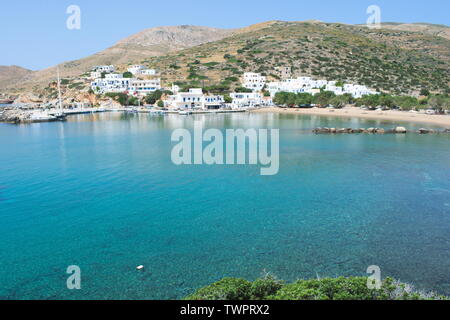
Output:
x=151 y=98
x=324 y=97
x=341 y=100
x=127 y=75
x=304 y=98
x=227 y=98
x=439 y=102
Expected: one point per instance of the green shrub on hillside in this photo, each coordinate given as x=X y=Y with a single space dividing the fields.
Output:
x=269 y=288
x=225 y=289
x=151 y=98
x=122 y=98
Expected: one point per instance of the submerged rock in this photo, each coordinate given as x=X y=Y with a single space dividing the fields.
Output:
x=425 y=131
x=397 y=130
x=400 y=130
x=321 y=130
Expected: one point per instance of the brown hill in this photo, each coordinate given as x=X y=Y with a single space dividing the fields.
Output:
x=390 y=60
x=10 y=75
x=425 y=28
x=400 y=58
x=148 y=43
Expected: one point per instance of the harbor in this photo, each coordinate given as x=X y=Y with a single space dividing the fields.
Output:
x=19 y=115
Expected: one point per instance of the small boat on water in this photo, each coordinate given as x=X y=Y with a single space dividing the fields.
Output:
x=184 y=113
x=46 y=116
x=60 y=116
x=131 y=110
x=42 y=116
x=156 y=112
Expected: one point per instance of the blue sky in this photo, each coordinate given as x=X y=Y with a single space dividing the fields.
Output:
x=34 y=34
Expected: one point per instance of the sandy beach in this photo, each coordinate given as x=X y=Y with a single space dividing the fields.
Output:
x=353 y=112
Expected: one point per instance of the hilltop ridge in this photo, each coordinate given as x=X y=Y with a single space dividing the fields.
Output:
x=401 y=58
x=400 y=62
x=148 y=43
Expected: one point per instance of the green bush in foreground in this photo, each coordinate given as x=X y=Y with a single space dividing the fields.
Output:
x=269 y=288
x=238 y=289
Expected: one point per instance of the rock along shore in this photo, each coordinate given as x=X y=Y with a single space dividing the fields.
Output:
x=13 y=116
x=397 y=130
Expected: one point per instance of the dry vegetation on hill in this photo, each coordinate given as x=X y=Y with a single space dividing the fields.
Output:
x=148 y=43
x=399 y=58
x=389 y=60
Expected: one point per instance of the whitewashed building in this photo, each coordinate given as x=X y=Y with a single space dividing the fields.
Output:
x=144 y=87
x=358 y=91
x=107 y=69
x=113 y=76
x=308 y=85
x=115 y=82
x=246 y=99
x=337 y=90
x=213 y=102
x=141 y=70
x=299 y=85
x=148 y=72
x=194 y=99
x=96 y=75
x=112 y=82
x=135 y=69
x=254 y=81
x=175 y=89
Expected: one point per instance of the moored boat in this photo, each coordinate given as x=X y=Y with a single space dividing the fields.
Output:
x=42 y=116
x=156 y=112
x=60 y=115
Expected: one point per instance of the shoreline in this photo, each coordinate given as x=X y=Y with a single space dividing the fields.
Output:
x=353 y=112
x=15 y=116
x=442 y=121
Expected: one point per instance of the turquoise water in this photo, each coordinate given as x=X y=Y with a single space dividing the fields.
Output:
x=100 y=192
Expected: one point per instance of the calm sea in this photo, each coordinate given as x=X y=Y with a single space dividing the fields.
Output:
x=101 y=192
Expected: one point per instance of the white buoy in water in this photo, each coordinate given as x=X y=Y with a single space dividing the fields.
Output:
x=140 y=267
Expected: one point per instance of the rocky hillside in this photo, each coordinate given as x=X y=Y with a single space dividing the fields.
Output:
x=11 y=75
x=165 y=39
x=399 y=58
x=151 y=42
x=390 y=60
x=425 y=28
x=270 y=288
